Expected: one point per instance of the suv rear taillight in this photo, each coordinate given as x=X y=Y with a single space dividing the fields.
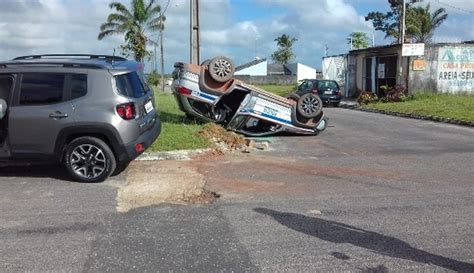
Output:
x=126 y=111
x=184 y=91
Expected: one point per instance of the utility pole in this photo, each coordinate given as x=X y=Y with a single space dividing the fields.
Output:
x=162 y=26
x=154 y=55
x=162 y=60
x=194 y=32
x=403 y=22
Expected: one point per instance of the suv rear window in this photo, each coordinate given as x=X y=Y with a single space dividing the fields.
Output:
x=324 y=85
x=130 y=85
x=41 y=88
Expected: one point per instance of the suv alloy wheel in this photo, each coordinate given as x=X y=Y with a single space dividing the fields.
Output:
x=89 y=159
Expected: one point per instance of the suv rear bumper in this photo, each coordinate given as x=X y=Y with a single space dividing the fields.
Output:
x=128 y=152
x=330 y=99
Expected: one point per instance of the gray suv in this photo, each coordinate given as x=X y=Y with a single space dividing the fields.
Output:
x=93 y=113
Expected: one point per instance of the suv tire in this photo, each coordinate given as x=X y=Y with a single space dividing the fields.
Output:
x=89 y=159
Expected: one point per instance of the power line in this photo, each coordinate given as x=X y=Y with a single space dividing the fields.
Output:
x=454 y=7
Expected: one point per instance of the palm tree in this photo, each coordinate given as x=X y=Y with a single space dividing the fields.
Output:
x=285 y=53
x=421 y=23
x=144 y=16
x=358 y=40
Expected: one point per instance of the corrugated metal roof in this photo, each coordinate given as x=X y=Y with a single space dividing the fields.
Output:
x=249 y=64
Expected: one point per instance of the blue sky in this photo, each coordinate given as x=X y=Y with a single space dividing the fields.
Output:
x=240 y=29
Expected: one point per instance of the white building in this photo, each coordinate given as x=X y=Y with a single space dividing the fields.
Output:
x=301 y=71
x=261 y=67
x=257 y=67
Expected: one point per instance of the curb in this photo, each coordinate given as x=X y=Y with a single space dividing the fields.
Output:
x=411 y=115
x=185 y=155
x=172 y=155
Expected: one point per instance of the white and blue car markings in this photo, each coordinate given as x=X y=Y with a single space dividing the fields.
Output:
x=272 y=112
x=204 y=96
x=193 y=79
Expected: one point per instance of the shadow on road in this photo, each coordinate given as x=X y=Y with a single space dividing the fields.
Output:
x=34 y=170
x=341 y=233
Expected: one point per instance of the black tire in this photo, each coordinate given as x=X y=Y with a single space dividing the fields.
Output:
x=293 y=96
x=336 y=104
x=121 y=167
x=89 y=159
x=309 y=105
x=221 y=69
x=206 y=62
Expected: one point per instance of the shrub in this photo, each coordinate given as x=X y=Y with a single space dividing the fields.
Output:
x=367 y=97
x=384 y=90
x=153 y=78
x=397 y=94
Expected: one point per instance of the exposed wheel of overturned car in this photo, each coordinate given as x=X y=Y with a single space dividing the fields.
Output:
x=309 y=105
x=221 y=69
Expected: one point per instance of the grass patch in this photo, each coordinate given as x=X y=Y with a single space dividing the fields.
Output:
x=281 y=90
x=177 y=131
x=460 y=107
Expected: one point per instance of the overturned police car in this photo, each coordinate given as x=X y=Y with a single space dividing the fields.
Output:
x=210 y=92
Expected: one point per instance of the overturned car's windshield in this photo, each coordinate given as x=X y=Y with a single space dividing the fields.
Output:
x=131 y=85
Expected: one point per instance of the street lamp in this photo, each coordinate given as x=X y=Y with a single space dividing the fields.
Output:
x=162 y=14
x=404 y=18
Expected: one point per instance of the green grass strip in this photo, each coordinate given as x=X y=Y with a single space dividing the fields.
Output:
x=177 y=131
x=459 y=107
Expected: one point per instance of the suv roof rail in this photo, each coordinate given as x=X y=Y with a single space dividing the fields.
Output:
x=71 y=56
x=42 y=64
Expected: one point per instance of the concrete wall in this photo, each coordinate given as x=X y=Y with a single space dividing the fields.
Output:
x=351 y=79
x=448 y=69
x=270 y=79
x=259 y=69
x=335 y=68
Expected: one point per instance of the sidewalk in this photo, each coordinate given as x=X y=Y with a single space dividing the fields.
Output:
x=349 y=102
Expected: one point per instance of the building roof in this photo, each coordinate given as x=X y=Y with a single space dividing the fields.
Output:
x=249 y=64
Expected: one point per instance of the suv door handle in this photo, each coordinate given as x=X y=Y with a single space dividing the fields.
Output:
x=58 y=115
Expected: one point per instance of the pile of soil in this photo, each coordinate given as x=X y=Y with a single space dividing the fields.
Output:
x=224 y=139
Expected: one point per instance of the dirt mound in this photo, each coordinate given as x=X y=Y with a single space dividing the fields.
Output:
x=224 y=140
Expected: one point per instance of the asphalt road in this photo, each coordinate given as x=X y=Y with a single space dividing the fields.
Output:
x=373 y=193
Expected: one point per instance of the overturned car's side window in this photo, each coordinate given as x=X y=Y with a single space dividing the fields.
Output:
x=41 y=88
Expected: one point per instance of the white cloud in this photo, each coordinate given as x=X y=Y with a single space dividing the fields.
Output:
x=52 y=26
x=72 y=26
